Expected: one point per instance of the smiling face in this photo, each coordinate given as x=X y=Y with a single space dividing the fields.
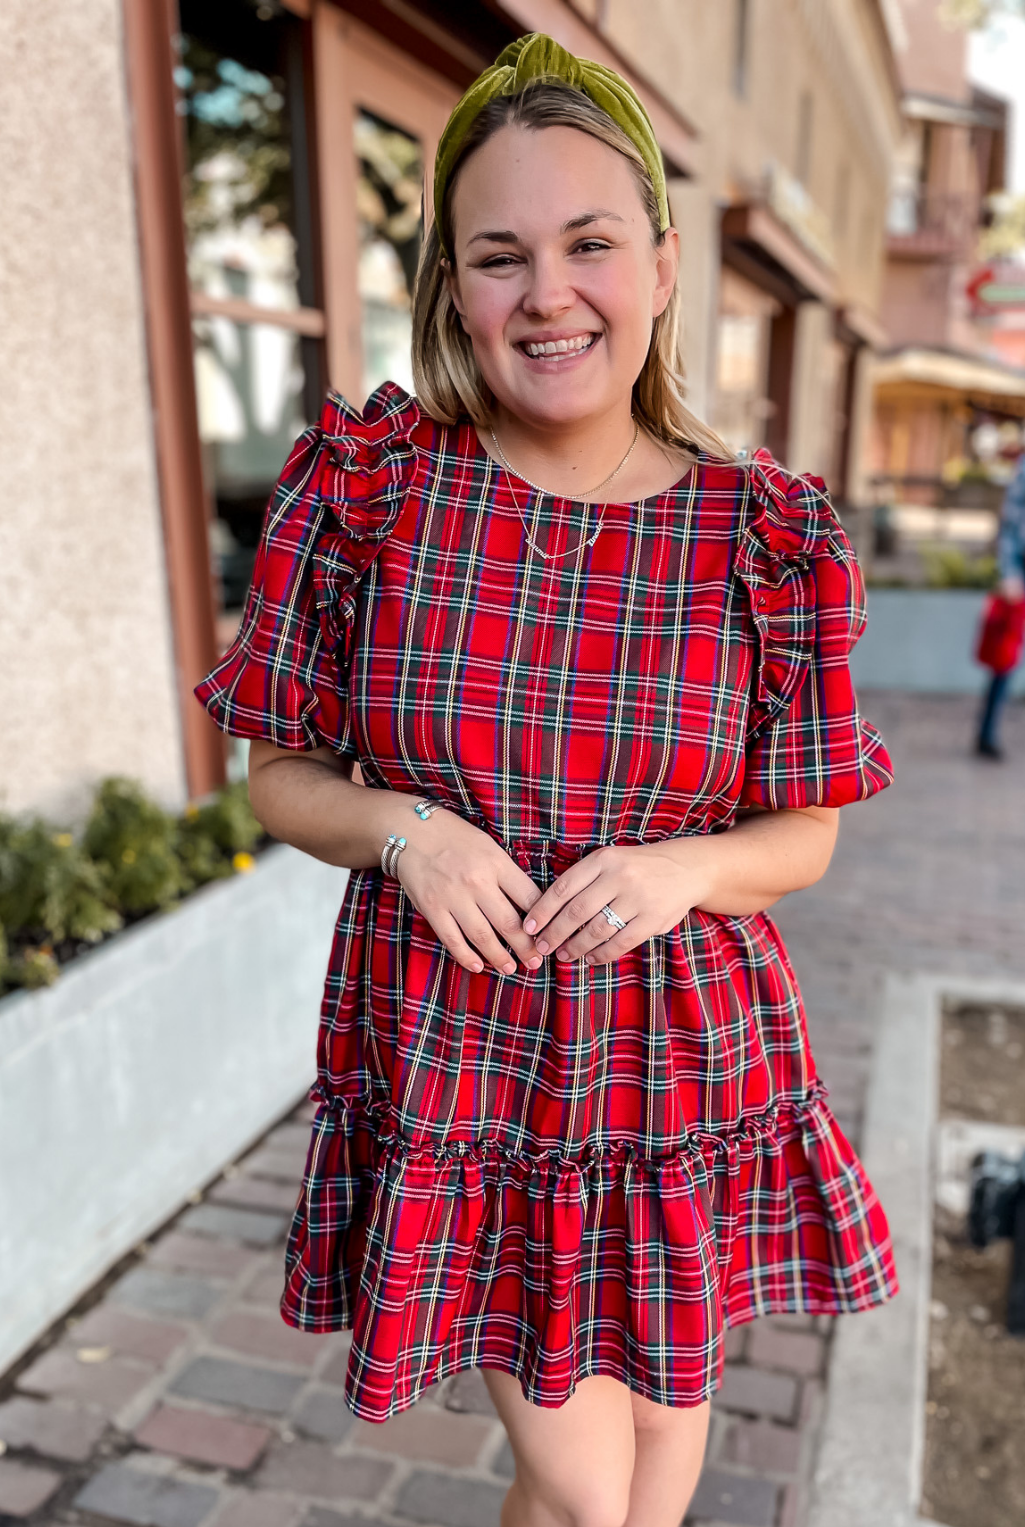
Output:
x=556 y=278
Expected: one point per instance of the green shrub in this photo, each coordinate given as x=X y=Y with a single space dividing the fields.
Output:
x=50 y=887
x=133 y=858
x=215 y=840
x=134 y=843
x=947 y=567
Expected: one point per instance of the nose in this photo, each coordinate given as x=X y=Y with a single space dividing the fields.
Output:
x=549 y=291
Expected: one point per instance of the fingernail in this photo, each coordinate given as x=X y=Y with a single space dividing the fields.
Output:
x=509 y=967
x=478 y=967
x=563 y=954
x=533 y=964
x=529 y=925
x=589 y=959
x=541 y=945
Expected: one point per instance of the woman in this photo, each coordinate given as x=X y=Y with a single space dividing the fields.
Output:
x=568 y=1124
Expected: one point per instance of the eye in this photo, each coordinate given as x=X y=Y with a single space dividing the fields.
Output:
x=590 y=246
x=497 y=262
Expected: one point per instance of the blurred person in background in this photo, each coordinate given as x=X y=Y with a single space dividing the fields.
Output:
x=1011 y=591
x=569 y=1127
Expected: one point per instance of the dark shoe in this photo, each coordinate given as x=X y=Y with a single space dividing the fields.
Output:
x=988 y=750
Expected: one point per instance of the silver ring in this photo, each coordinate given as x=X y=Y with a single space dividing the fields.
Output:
x=612 y=919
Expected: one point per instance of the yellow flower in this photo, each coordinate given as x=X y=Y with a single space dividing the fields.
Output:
x=128 y=857
x=243 y=864
x=192 y=811
x=63 y=839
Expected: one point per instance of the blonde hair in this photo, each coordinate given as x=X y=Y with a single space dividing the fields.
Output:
x=448 y=381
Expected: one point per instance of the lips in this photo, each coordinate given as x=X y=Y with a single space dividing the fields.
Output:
x=550 y=348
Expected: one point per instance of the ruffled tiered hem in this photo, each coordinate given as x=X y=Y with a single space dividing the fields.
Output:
x=467 y=1254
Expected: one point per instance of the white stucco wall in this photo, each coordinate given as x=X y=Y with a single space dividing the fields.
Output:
x=86 y=666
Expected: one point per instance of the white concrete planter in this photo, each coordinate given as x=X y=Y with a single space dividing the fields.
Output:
x=922 y=640
x=154 y=1060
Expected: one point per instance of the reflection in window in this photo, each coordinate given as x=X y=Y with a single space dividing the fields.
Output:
x=741 y=404
x=389 y=192
x=248 y=236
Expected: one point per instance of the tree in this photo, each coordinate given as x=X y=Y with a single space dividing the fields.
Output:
x=976 y=13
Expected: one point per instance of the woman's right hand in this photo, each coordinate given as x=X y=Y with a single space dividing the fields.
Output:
x=469 y=889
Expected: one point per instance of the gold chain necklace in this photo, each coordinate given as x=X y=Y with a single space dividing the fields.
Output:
x=590 y=540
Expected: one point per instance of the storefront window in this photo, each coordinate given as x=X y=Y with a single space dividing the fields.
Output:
x=389 y=195
x=246 y=203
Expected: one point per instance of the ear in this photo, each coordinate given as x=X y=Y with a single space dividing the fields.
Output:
x=667 y=264
x=452 y=286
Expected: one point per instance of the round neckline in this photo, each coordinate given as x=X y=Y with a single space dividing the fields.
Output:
x=680 y=486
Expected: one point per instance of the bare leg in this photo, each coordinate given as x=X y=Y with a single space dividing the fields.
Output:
x=670 y=1448
x=607 y=1458
x=573 y=1463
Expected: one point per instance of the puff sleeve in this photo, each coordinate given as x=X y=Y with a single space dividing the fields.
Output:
x=807 y=744
x=283 y=679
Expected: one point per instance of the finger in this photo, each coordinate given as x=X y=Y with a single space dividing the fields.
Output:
x=518 y=886
x=451 y=936
x=557 y=898
x=613 y=949
x=580 y=913
x=479 y=932
x=594 y=933
x=505 y=919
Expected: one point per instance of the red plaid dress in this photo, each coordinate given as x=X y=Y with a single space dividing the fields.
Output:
x=576 y=1170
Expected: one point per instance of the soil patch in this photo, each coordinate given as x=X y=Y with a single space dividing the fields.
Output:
x=975 y=1415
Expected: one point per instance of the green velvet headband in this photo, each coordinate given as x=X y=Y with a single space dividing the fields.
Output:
x=537 y=57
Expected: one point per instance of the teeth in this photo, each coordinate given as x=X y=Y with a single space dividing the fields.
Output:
x=560 y=346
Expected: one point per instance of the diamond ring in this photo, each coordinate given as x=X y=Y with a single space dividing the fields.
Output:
x=612 y=919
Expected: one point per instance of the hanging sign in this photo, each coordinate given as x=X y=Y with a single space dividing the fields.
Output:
x=997 y=289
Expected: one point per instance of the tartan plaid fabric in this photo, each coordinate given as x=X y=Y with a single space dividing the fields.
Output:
x=576 y=1170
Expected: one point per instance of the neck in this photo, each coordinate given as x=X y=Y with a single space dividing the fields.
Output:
x=564 y=456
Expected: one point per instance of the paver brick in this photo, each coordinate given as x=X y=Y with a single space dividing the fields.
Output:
x=240 y=1384
x=204 y=1437
x=130 y=1335
x=468 y=1392
x=762 y=1446
x=336 y=1368
x=258 y=1508
x=734 y=1342
x=324 y=1414
x=445 y=1500
x=797 y=1351
x=319 y=1516
x=755 y=1392
x=247 y=1225
x=107 y=1385
x=505 y=1464
x=50 y=1427
x=310 y=1468
x=734 y=1499
x=426 y=1434
x=268 y=1336
x=266 y=1286
x=200 y=1254
x=165 y=1293
x=292 y=1135
x=255 y=1193
x=150 y=1500
x=282 y=1165
x=24 y=1487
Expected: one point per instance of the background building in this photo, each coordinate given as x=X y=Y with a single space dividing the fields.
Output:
x=218 y=215
x=949 y=400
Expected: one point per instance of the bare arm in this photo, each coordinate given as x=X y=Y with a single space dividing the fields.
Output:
x=764 y=857
x=457 y=876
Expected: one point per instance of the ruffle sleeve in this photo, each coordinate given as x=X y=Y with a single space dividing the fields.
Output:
x=283 y=679
x=807 y=743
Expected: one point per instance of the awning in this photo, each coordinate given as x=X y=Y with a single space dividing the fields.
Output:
x=761 y=247
x=955 y=374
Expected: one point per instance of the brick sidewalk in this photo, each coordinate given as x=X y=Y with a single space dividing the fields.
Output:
x=177 y=1398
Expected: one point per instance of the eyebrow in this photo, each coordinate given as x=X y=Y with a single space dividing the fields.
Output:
x=507 y=236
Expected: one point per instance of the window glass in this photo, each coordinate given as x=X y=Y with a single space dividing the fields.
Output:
x=389 y=194
x=742 y=357
x=248 y=226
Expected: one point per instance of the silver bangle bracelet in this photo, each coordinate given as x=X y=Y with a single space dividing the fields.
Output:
x=425 y=807
x=390 y=853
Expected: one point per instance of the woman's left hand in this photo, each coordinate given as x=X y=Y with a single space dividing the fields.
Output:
x=646 y=886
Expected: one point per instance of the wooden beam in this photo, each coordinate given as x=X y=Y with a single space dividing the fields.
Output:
x=148 y=26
